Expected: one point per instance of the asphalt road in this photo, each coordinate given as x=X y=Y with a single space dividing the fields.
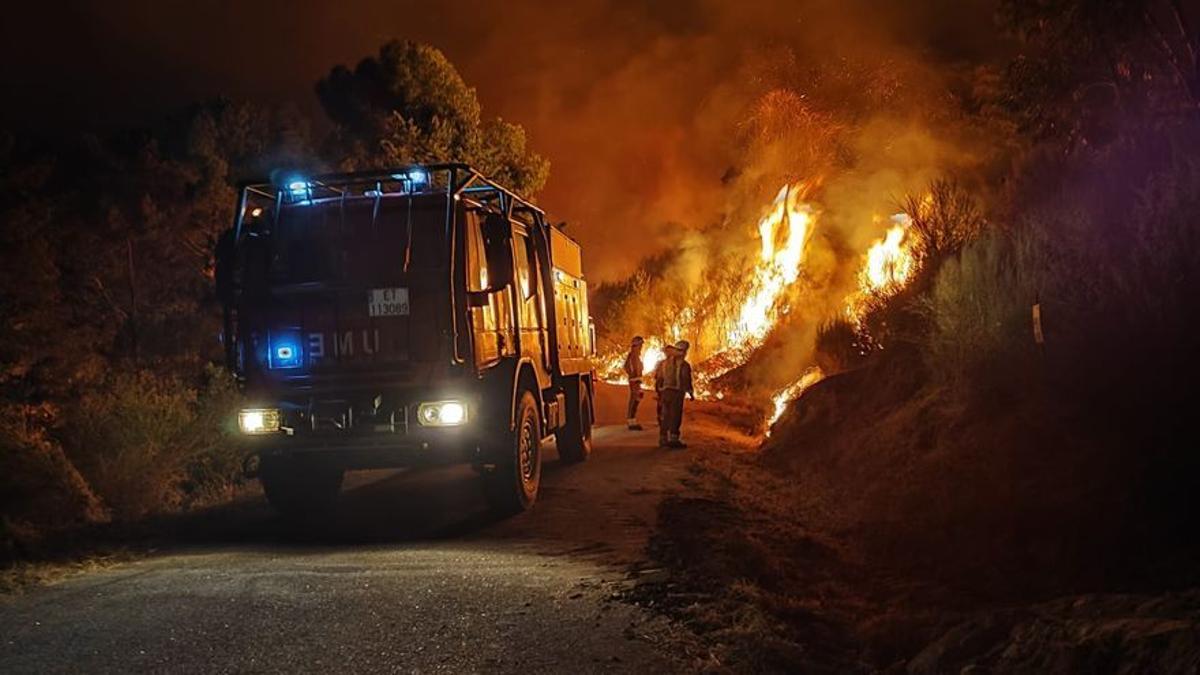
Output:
x=410 y=575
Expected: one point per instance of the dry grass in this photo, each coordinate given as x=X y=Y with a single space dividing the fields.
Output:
x=21 y=576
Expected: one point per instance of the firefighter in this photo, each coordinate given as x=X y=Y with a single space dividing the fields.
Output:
x=633 y=371
x=668 y=352
x=673 y=381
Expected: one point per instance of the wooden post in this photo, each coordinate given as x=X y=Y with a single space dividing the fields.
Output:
x=1038 y=337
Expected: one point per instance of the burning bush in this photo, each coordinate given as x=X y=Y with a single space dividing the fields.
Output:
x=725 y=302
x=745 y=326
x=884 y=311
x=942 y=222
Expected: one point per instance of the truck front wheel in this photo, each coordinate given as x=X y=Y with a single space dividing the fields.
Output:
x=512 y=484
x=300 y=489
x=574 y=441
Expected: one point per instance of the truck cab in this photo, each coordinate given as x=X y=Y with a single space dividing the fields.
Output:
x=413 y=316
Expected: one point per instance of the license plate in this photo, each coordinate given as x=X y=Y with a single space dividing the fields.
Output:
x=387 y=302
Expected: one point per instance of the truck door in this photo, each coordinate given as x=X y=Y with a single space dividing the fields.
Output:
x=531 y=311
x=491 y=322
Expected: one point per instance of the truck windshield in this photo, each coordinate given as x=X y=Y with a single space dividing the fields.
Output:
x=358 y=241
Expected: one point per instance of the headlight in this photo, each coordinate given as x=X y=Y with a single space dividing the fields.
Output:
x=258 y=420
x=442 y=414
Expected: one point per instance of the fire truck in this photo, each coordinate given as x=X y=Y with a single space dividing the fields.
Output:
x=415 y=316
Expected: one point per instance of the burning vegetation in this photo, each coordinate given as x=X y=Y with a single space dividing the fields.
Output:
x=729 y=330
x=801 y=231
x=888 y=266
x=734 y=321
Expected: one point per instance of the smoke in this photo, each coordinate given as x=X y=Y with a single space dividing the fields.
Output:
x=664 y=118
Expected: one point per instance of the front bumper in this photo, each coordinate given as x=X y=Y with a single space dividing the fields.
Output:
x=362 y=452
x=365 y=427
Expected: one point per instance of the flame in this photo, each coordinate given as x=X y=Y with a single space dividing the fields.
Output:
x=612 y=367
x=889 y=260
x=888 y=265
x=789 y=393
x=784 y=230
x=652 y=353
x=778 y=268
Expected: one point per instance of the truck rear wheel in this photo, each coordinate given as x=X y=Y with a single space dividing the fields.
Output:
x=574 y=441
x=511 y=486
x=299 y=489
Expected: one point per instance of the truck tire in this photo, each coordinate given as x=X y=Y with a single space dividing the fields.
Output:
x=574 y=441
x=511 y=486
x=299 y=489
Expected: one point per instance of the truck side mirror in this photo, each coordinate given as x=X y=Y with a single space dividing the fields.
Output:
x=497 y=243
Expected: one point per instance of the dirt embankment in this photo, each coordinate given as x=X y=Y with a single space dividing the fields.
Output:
x=1002 y=499
x=878 y=530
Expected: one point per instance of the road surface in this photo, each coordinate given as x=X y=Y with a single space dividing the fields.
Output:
x=410 y=575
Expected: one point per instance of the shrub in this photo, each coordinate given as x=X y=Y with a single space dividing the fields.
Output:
x=840 y=346
x=214 y=465
x=126 y=438
x=942 y=222
x=979 y=313
x=40 y=490
x=1113 y=264
x=1113 y=261
x=148 y=442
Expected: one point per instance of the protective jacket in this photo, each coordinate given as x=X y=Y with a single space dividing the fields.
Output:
x=674 y=372
x=633 y=367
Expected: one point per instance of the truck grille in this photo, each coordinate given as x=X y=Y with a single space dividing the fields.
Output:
x=341 y=418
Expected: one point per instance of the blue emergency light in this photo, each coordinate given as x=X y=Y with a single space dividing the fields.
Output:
x=299 y=191
x=284 y=350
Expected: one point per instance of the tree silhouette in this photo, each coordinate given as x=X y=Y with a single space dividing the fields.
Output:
x=409 y=104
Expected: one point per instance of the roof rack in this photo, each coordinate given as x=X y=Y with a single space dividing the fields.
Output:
x=452 y=179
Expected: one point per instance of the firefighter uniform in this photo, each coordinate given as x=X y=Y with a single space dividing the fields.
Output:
x=668 y=352
x=633 y=371
x=673 y=381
